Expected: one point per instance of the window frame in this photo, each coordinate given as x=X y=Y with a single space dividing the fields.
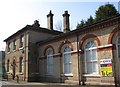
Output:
x=21 y=41
x=20 y=65
x=9 y=47
x=8 y=65
x=14 y=44
x=50 y=63
x=69 y=64
x=92 y=61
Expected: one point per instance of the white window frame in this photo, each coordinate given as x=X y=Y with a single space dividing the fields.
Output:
x=91 y=61
x=69 y=64
x=50 y=63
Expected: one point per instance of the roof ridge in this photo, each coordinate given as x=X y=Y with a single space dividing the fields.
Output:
x=34 y=28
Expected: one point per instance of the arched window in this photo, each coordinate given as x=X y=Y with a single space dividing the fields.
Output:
x=21 y=41
x=50 y=62
x=20 y=64
x=119 y=47
x=67 y=60
x=8 y=65
x=91 y=60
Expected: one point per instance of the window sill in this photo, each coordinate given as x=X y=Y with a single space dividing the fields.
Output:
x=69 y=75
x=91 y=75
x=49 y=74
x=8 y=72
x=21 y=48
x=8 y=52
x=20 y=73
x=14 y=50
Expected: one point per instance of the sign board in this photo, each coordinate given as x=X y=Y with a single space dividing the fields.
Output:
x=106 y=67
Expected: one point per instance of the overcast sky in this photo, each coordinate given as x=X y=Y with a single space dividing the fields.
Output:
x=16 y=14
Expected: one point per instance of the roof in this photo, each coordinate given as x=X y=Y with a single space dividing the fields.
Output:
x=76 y=31
x=33 y=28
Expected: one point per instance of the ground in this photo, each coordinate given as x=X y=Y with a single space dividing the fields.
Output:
x=38 y=84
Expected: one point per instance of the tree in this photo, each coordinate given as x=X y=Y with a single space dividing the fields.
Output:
x=59 y=26
x=105 y=11
x=82 y=24
x=90 y=20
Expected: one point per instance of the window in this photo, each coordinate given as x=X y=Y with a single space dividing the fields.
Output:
x=8 y=64
x=21 y=41
x=91 y=60
x=119 y=47
x=20 y=64
x=14 y=45
x=50 y=62
x=8 y=47
x=67 y=60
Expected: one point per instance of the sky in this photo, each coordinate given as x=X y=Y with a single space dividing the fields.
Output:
x=16 y=14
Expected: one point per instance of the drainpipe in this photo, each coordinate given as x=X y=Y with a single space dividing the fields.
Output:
x=118 y=29
x=25 y=56
x=78 y=60
x=80 y=77
x=115 y=69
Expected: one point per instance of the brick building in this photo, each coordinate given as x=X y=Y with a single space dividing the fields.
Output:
x=90 y=55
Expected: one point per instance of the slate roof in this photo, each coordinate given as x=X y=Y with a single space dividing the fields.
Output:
x=82 y=29
x=33 y=28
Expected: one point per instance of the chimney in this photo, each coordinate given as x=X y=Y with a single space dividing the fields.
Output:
x=50 y=20
x=66 y=22
x=36 y=23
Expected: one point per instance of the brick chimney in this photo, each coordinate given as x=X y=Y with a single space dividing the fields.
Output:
x=66 y=22
x=50 y=20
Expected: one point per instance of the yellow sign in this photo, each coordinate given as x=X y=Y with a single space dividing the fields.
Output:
x=106 y=71
x=106 y=67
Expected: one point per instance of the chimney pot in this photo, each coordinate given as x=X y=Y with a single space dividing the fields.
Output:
x=36 y=23
x=66 y=12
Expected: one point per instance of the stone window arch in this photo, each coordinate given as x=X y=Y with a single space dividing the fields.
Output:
x=89 y=37
x=113 y=35
x=64 y=43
